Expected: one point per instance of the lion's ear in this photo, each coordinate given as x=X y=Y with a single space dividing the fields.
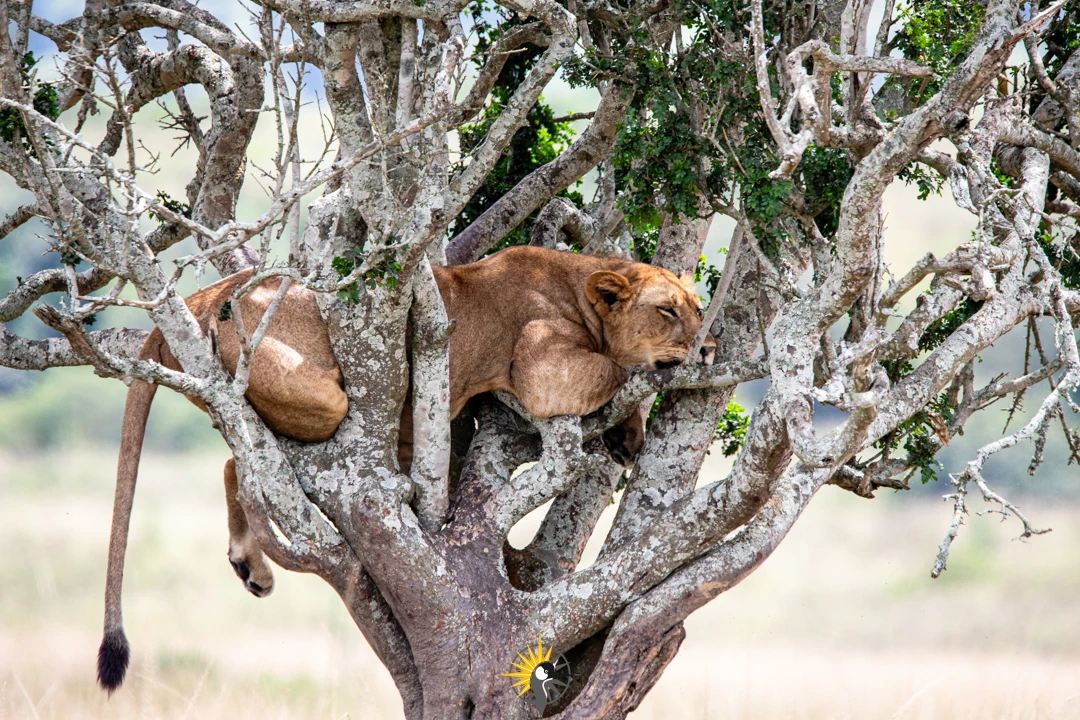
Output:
x=607 y=289
x=687 y=280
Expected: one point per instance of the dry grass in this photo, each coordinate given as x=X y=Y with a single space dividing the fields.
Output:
x=843 y=622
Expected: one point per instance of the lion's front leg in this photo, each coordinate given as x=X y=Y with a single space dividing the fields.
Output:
x=245 y=555
x=625 y=440
x=555 y=373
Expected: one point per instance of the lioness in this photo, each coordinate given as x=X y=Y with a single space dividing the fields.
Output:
x=555 y=329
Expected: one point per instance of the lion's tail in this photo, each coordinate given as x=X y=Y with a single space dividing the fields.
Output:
x=114 y=653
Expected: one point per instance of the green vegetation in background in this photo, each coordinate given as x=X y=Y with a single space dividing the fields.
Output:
x=45 y=101
x=384 y=273
x=172 y=204
x=937 y=34
x=663 y=163
x=72 y=407
x=731 y=430
x=1062 y=256
x=920 y=434
x=928 y=181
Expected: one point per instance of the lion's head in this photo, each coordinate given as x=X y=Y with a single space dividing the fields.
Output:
x=650 y=316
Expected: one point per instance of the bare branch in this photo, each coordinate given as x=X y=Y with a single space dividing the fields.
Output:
x=22 y=354
x=502 y=131
x=17 y=219
x=561 y=463
x=559 y=218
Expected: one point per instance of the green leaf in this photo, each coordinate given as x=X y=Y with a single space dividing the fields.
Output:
x=731 y=430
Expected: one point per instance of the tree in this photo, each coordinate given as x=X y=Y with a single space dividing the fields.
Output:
x=787 y=117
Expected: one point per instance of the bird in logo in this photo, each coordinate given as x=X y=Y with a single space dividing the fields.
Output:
x=545 y=683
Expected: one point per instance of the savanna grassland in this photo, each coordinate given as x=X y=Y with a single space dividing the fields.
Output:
x=842 y=622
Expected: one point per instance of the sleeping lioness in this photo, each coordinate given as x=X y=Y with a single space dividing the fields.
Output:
x=555 y=329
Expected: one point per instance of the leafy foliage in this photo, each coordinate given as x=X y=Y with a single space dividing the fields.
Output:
x=69 y=257
x=383 y=274
x=45 y=101
x=1002 y=177
x=658 y=158
x=731 y=430
x=171 y=204
x=536 y=144
x=942 y=328
x=763 y=198
x=709 y=273
x=664 y=159
x=1062 y=40
x=919 y=435
x=344 y=267
x=1064 y=257
x=927 y=182
x=937 y=34
x=825 y=175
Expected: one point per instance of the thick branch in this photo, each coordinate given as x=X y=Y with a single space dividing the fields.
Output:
x=430 y=400
x=17 y=219
x=329 y=11
x=562 y=461
x=528 y=34
x=688 y=377
x=22 y=354
x=647 y=621
x=561 y=218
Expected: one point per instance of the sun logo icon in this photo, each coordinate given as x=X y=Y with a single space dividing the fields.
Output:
x=548 y=681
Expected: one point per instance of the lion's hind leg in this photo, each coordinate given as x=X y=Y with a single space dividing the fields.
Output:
x=246 y=557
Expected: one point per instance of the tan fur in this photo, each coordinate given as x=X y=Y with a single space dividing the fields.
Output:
x=556 y=329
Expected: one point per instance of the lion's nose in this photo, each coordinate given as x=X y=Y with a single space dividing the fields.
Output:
x=708 y=350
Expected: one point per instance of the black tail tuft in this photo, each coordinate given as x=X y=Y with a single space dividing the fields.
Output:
x=112 y=659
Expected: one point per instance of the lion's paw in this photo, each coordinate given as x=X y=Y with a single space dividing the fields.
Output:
x=624 y=442
x=253 y=571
